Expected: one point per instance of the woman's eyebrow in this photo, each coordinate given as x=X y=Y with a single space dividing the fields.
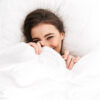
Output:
x=35 y=38
x=48 y=34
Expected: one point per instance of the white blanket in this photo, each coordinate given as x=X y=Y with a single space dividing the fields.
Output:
x=27 y=76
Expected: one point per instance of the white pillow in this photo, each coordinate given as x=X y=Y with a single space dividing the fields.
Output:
x=80 y=17
x=82 y=22
x=12 y=15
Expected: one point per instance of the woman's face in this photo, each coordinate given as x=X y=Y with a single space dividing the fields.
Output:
x=47 y=35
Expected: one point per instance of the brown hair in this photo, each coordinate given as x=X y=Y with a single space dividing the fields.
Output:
x=40 y=16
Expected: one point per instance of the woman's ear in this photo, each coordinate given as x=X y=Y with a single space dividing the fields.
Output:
x=62 y=35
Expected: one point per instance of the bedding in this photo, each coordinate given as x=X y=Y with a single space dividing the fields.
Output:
x=27 y=76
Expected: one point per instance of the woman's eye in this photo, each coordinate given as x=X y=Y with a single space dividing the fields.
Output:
x=49 y=37
x=35 y=41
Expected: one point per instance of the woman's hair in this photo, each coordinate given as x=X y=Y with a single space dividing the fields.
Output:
x=40 y=16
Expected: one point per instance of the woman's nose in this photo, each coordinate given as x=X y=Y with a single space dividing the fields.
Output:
x=42 y=43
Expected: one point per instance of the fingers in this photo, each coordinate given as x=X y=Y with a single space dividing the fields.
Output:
x=36 y=46
x=66 y=54
x=39 y=48
x=76 y=59
x=70 y=60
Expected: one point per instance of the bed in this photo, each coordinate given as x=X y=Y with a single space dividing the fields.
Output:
x=27 y=76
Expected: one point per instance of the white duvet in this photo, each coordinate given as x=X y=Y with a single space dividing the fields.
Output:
x=27 y=76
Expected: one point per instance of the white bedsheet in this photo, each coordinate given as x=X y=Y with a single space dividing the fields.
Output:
x=27 y=76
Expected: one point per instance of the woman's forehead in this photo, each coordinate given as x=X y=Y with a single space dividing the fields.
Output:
x=43 y=29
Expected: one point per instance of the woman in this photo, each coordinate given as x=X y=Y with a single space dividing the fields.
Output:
x=43 y=28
